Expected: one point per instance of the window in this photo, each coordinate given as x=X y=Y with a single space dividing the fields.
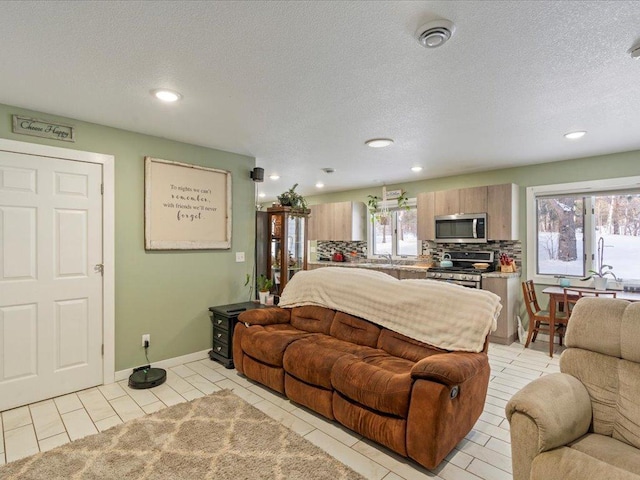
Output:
x=560 y=224
x=575 y=229
x=396 y=234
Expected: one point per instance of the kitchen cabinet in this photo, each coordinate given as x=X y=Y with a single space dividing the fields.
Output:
x=320 y=221
x=473 y=200
x=502 y=212
x=447 y=202
x=461 y=200
x=287 y=245
x=343 y=221
x=500 y=202
x=508 y=289
x=407 y=274
x=426 y=216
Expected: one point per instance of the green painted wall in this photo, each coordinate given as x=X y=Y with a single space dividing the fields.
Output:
x=165 y=294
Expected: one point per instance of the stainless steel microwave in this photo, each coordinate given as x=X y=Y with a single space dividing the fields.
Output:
x=461 y=228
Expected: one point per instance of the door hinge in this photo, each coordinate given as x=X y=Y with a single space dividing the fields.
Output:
x=103 y=349
x=102 y=188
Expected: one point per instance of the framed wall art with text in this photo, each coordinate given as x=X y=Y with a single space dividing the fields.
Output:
x=186 y=207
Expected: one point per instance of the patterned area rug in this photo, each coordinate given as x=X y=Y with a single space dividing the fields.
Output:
x=218 y=436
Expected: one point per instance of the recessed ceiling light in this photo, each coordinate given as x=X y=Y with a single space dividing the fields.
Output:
x=262 y=195
x=575 y=135
x=274 y=176
x=416 y=169
x=379 y=142
x=319 y=185
x=166 y=95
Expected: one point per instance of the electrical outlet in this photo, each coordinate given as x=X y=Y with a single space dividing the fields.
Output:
x=239 y=256
x=146 y=338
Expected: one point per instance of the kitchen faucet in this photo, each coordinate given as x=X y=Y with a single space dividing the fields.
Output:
x=388 y=256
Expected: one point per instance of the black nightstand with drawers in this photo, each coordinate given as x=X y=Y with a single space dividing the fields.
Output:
x=224 y=319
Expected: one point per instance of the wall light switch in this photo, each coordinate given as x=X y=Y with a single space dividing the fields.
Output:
x=239 y=256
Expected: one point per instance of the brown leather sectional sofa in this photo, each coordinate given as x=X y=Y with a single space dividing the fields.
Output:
x=415 y=399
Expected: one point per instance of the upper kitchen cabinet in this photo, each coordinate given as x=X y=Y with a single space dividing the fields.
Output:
x=502 y=211
x=345 y=221
x=319 y=221
x=461 y=200
x=473 y=200
x=426 y=216
x=447 y=202
x=500 y=202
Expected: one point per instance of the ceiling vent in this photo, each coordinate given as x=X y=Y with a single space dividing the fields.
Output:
x=435 y=33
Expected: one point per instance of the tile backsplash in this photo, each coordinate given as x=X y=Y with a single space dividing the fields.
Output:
x=326 y=248
x=513 y=248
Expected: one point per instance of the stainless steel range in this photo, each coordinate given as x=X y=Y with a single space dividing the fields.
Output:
x=462 y=271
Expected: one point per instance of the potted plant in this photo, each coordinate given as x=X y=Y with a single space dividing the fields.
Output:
x=403 y=201
x=264 y=286
x=292 y=199
x=599 y=276
x=247 y=281
x=372 y=205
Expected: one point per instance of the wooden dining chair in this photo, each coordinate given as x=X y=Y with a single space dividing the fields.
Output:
x=572 y=295
x=540 y=320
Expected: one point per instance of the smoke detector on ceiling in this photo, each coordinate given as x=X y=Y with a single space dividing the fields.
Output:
x=435 y=33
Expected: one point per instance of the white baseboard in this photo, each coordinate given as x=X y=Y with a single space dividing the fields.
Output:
x=168 y=363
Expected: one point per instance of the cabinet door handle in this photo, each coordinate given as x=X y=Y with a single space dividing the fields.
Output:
x=219 y=321
x=218 y=349
x=218 y=335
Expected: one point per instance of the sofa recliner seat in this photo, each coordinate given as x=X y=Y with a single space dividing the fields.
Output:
x=585 y=421
x=415 y=399
x=378 y=381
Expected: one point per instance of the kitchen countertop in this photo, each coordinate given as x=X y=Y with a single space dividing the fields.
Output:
x=400 y=266
x=394 y=266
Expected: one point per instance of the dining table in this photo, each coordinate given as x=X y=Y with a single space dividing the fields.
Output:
x=556 y=298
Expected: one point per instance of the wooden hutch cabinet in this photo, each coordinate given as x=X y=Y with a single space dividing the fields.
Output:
x=287 y=245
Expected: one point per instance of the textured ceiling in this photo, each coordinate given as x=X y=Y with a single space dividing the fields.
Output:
x=301 y=85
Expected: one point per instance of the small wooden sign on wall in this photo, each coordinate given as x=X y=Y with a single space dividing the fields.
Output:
x=42 y=128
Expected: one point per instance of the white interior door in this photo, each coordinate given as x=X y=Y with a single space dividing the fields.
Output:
x=50 y=277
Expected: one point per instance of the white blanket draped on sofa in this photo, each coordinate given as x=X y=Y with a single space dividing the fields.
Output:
x=441 y=314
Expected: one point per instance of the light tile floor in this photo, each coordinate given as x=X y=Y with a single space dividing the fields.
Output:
x=484 y=453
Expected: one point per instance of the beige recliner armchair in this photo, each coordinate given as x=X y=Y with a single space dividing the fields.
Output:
x=584 y=423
